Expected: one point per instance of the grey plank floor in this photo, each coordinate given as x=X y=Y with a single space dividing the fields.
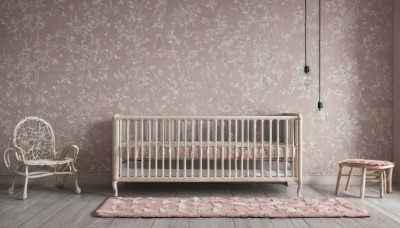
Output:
x=47 y=206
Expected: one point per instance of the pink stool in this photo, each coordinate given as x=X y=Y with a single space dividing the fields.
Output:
x=381 y=172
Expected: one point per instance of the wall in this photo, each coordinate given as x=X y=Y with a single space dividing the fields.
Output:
x=396 y=90
x=76 y=63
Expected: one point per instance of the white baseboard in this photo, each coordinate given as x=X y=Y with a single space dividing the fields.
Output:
x=88 y=179
x=84 y=179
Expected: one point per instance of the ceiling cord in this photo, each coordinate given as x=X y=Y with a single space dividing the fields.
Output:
x=320 y=104
x=306 y=67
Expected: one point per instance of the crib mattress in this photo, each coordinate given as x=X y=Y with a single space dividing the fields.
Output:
x=197 y=150
x=204 y=172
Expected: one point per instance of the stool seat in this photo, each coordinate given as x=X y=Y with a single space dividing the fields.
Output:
x=382 y=172
x=367 y=162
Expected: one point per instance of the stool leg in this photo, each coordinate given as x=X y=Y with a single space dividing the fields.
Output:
x=384 y=182
x=338 y=179
x=381 y=182
x=363 y=177
x=349 y=179
x=389 y=180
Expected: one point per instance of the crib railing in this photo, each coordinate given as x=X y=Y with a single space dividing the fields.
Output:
x=207 y=148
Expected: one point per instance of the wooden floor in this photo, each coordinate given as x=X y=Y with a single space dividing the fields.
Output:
x=48 y=206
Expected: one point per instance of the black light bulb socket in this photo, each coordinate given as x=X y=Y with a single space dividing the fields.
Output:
x=320 y=105
x=306 y=69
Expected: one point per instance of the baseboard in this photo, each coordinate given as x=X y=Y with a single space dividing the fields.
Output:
x=89 y=179
x=84 y=179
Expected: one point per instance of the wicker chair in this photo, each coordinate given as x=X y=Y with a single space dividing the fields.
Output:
x=33 y=141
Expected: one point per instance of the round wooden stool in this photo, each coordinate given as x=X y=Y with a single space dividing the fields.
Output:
x=378 y=171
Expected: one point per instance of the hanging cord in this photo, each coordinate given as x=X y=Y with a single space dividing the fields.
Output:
x=306 y=67
x=320 y=104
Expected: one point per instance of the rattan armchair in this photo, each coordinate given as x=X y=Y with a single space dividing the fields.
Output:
x=34 y=148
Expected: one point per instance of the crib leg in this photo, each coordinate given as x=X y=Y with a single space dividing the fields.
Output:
x=115 y=188
x=299 y=187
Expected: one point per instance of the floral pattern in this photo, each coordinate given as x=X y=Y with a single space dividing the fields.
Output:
x=307 y=207
x=76 y=63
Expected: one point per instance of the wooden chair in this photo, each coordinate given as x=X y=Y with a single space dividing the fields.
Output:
x=33 y=141
x=372 y=171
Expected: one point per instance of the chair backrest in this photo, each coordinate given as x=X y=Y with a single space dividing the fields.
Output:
x=35 y=138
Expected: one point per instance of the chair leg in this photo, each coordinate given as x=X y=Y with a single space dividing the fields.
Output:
x=60 y=179
x=349 y=179
x=389 y=180
x=75 y=171
x=11 y=189
x=363 y=178
x=338 y=179
x=77 y=188
x=382 y=183
x=25 y=194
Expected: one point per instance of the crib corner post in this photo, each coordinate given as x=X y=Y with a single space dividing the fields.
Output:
x=115 y=153
x=300 y=157
x=115 y=187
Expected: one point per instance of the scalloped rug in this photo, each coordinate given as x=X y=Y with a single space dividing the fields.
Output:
x=307 y=207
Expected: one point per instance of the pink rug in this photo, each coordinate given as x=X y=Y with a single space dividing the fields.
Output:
x=320 y=207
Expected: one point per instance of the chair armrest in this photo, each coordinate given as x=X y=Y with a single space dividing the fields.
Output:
x=74 y=149
x=18 y=154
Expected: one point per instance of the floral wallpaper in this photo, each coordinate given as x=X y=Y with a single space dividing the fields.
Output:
x=76 y=63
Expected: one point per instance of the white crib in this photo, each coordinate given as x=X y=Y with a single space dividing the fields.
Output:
x=207 y=149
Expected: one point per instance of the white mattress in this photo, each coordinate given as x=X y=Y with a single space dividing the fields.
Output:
x=196 y=172
x=206 y=150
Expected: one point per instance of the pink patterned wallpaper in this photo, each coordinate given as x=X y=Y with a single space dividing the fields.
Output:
x=396 y=86
x=76 y=63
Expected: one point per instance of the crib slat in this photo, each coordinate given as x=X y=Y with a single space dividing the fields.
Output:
x=270 y=147
x=149 y=146
x=293 y=146
x=163 y=148
x=192 y=152
x=185 y=149
x=229 y=147
x=287 y=145
x=255 y=147
x=208 y=148
x=215 y=147
x=236 y=148
x=156 y=135
x=222 y=148
x=177 y=148
x=135 y=148
x=120 y=149
x=277 y=148
x=262 y=148
x=201 y=147
x=142 y=148
x=128 y=148
x=170 y=146
x=248 y=148
x=241 y=156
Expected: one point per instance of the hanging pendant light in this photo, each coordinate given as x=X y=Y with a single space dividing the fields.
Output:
x=320 y=106
x=307 y=77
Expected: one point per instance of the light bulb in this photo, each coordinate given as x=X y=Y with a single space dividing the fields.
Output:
x=321 y=113
x=307 y=79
